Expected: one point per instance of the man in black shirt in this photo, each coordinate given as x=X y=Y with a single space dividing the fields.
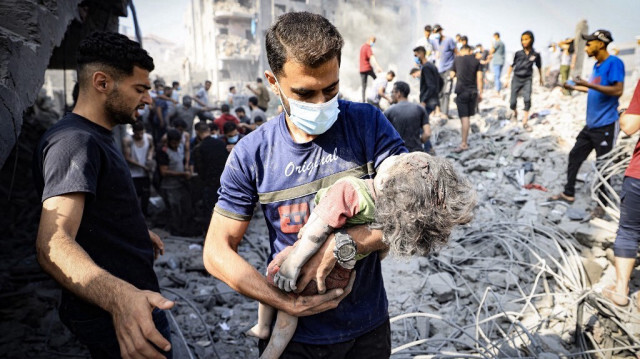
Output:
x=209 y=158
x=430 y=80
x=522 y=68
x=93 y=238
x=409 y=119
x=468 y=90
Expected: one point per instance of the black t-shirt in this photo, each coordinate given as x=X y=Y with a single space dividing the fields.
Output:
x=408 y=118
x=210 y=157
x=466 y=67
x=429 y=84
x=523 y=63
x=77 y=155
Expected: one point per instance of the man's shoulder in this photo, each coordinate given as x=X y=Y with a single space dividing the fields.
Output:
x=71 y=132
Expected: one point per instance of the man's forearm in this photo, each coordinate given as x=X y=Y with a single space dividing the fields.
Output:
x=614 y=90
x=367 y=240
x=64 y=259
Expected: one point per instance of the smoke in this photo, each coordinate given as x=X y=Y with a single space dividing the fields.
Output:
x=396 y=28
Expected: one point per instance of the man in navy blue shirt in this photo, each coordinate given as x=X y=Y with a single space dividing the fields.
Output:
x=317 y=140
x=604 y=88
x=93 y=238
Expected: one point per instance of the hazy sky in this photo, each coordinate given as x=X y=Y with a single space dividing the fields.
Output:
x=478 y=19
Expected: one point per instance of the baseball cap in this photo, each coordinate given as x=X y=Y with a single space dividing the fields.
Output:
x=602 y=35
x=437 y=27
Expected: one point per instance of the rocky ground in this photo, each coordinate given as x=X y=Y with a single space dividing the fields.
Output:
x=522 y=280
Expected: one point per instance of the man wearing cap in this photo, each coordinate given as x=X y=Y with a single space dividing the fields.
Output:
x=447 y=51
x=428 y=44
x=604 y=88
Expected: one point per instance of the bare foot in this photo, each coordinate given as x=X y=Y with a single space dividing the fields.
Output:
x=618 y=299
x=259 y=331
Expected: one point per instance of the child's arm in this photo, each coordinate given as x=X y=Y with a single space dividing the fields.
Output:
x=312 y=237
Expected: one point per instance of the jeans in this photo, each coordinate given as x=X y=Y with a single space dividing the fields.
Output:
x=497 y=72
x=626 y=244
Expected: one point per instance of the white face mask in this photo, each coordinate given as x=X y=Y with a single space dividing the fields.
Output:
x=311 y=118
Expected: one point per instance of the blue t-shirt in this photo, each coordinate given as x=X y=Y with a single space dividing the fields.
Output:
x=268 y=166
x=602 y=110
x=446 y=48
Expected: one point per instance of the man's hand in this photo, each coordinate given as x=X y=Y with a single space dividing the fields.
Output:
x=541 y=82
x=187 y=174
x=134 y=324
x=479 y=97
x=309 y=305
x=568 y=87
x=580 y=82
x=158 y=245
x=506 y=84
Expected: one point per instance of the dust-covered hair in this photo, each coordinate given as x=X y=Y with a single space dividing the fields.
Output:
x=422 y=200
x=306 y=38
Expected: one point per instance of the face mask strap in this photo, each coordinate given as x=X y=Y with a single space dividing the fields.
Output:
x=281 y=93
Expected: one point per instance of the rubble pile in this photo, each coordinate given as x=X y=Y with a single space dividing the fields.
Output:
x=516 y=282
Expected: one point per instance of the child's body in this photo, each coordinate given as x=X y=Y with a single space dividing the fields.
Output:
x=413 y=182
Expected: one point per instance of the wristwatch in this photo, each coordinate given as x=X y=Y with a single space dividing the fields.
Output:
x=346 y=248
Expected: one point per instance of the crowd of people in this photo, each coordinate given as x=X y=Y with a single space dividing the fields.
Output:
x=337 y=174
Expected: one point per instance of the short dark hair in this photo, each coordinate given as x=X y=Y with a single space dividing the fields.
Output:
x=391 y=73
x=231 y=88
x=213 y=127
x=259 y=80
x=202 y=126
x=240 y=109
x=427 y=28
x=496 y=34
x=178 y=122
x=464 y=38
x=528 y=32
x=173 y=135
x=465 y=47
x=402 y=87
x=207 y=82
x=137 y=126
x=420 y=49
x=112 y=53
x=306 y=38
x=175 y=83
x=414 y=70
x=224 y=108
x=229 y=127
x=253 y=100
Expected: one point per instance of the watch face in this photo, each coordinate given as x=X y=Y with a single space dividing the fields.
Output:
x=346 y=252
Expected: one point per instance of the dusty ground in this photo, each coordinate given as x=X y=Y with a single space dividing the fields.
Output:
x=519 y=281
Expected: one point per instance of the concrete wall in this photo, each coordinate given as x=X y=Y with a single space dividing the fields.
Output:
x=29 y=31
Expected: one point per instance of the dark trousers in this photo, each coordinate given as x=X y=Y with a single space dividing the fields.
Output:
x=179 y=201
x=363 y=78
x=375 y=344
x=143 y=190
x=521 y=86
x=445 y=92
x=99 y=335
x=427 y=146
x=626 y=244
x=601 y=139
